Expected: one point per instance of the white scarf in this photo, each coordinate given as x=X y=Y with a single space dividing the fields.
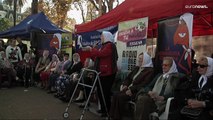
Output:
x=108 y=37
x=209 y=72
x=173 y=69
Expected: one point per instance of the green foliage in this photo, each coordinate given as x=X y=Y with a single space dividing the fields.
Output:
x=4 y=24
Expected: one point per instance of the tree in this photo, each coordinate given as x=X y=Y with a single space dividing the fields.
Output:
x=15 y=3
x=20 y=3
x=27 y=12
x=34 y=7
x=56 y=10
x=4 y=24
x=103 y=6
x=94 y=8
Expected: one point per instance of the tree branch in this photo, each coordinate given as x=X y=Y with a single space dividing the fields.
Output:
x=95 y=5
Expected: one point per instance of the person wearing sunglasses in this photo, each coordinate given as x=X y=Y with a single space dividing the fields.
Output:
x=200 y=92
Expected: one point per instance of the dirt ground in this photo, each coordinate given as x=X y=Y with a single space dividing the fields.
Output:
x=35 y=103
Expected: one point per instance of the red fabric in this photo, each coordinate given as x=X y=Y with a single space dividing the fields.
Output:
x=83 y=55
x=105 y=55
x=44 y=75
x=155 y=10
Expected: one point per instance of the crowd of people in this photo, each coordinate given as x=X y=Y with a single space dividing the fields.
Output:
x=148 y=90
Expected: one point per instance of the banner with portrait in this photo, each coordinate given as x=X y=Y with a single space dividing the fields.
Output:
x=131 y=41
x=47 y=42
x=66 y=43
x=174 y=40
x=54 y=42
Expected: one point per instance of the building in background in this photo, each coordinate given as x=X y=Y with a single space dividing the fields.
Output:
x=6 y=11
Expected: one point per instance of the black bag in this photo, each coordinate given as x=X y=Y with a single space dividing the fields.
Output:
x=191 y=112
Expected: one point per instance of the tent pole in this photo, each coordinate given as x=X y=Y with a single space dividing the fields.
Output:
x=152 y=42
x=14 y=12
x=207 y=22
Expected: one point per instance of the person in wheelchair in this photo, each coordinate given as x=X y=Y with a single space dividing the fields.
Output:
x=139 y=77
x=155 y=99
x=196 y=102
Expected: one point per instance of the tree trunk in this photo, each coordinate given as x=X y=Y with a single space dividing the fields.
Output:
x=14 y=13
x=100 y=8
x=34 y=7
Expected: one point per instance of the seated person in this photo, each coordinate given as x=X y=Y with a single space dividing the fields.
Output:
x=76 y=66
x=199 y=95
x=62 y=67
x=25 y=68
x=88 y=78
x=44 y=75
x=155 y=99
x=7 y=68
x=139 y=77
x=41 y=65
x=63 y=81
x=73 y=82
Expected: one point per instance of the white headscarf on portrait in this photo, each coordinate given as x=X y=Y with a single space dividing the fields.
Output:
x=147 y=60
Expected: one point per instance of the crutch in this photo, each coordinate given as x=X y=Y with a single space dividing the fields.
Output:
x=66 y=114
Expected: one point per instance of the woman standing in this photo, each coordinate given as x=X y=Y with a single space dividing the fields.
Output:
x=105 y=63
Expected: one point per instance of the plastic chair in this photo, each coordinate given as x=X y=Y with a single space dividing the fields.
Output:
x=164 y=115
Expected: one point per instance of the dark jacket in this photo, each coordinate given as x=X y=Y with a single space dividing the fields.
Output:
x=23 y=48
x=75 y=68
x=143 y=79
x=206 y=91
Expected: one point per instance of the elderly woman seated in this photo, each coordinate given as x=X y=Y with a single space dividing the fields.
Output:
x=44 y=75
x=63 y=83
x=139 y=77
x=6 y=68
x=198 y=95
x=155 y=100
x=87 y=79
x=43 y=62
x=60 y=68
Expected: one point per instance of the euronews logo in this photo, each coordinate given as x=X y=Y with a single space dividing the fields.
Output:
x=196 y=6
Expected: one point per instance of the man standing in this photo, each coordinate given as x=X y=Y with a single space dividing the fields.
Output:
x=13 y=53
x=22 y=46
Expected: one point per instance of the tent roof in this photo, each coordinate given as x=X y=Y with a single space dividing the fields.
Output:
x=38 y=22
x=155 y=10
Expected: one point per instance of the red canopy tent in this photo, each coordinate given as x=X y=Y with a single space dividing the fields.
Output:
x=156 y=10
